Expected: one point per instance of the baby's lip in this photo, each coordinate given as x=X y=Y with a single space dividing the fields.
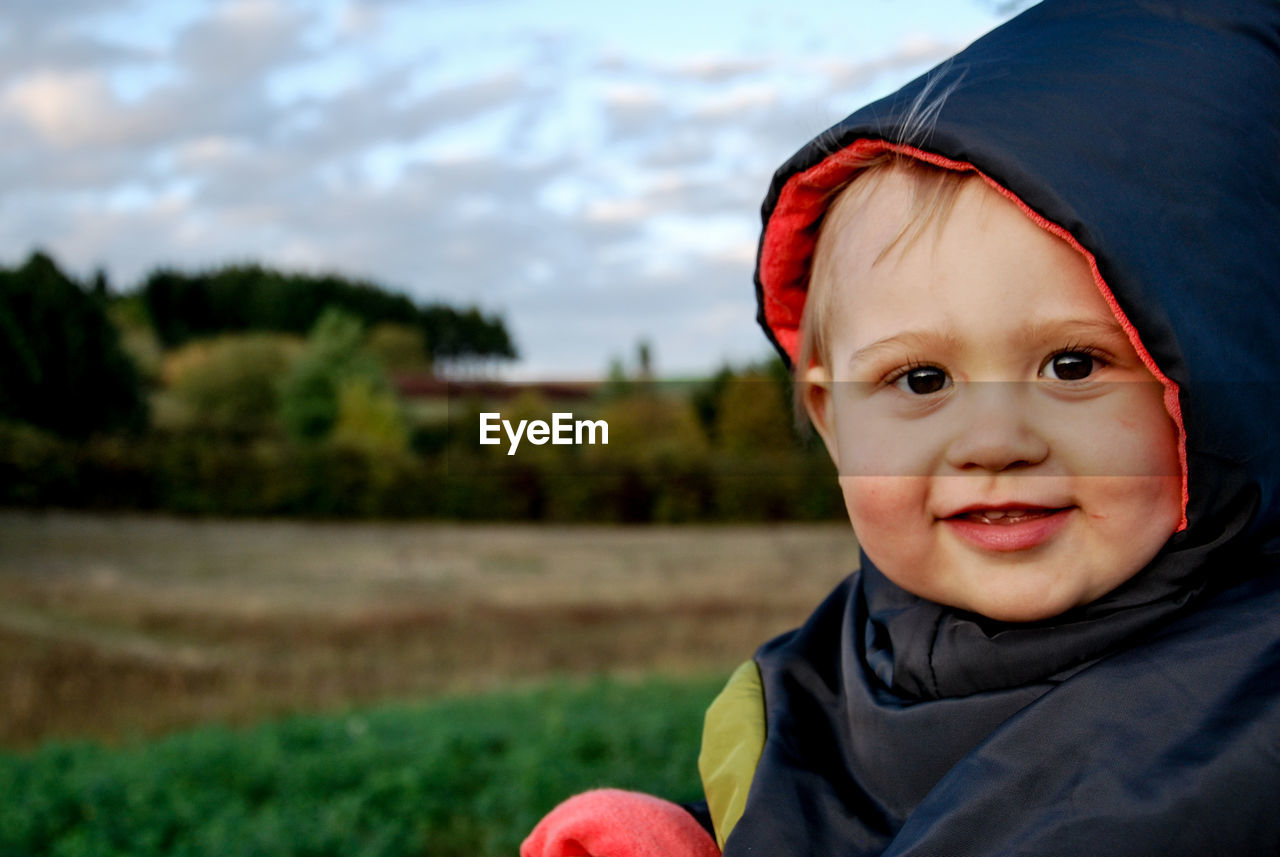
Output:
x=1001 y=511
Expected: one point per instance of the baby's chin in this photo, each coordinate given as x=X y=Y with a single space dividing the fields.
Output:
x=1015 y=601
x=1019 y=611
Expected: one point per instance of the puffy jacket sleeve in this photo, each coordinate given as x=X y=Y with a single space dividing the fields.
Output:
x=617 y=823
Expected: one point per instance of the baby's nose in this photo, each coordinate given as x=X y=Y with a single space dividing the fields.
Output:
x=993 y=427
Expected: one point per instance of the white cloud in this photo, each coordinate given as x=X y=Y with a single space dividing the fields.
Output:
x=358 y=19
x=630 y=96
x=739 y=100
x=241 y=40
x=618 y=211
x=207 y=152
x=915 y=50
x=719 y=69
x=65 y=109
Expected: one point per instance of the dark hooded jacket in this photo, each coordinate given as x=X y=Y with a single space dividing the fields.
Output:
x=1147 y=134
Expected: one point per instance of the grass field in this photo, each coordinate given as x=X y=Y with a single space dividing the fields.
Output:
x=113 y=627
x=456 y=777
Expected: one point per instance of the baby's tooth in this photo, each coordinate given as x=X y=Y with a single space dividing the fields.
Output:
x=993 y=514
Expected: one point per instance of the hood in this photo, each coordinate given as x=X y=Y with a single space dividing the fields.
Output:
x=1147 y=134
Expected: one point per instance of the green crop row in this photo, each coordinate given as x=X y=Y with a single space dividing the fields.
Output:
x=466 y=776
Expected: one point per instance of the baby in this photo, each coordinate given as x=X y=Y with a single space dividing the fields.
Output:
x=1026 y=329
x=1076 y=478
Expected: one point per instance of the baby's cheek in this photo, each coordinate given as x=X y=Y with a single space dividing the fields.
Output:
x=872 y=446
x=1138 y=508
x=887 y=513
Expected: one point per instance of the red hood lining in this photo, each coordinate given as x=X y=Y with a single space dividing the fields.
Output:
x=792 y=233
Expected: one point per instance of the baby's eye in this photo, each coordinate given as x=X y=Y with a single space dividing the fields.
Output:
x=922 y=380
x=1069 y=366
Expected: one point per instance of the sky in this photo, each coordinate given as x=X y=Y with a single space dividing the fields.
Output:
x=592 y=173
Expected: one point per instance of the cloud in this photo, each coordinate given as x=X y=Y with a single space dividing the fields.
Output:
x=741 y=99
x=23 y=51
x=240 y=42
x=592 y=197
x=40 y=19
x=719 y=69
x=913 y=51
x=64 y=108
x=619 y=210
x=358 y=19
x=632 y=109
x=219 y=67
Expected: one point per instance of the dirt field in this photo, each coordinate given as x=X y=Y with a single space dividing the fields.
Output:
x=113 y=626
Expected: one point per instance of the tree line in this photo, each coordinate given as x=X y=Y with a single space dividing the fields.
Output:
x=245 y=391
x=240 y=298
x=63 y=368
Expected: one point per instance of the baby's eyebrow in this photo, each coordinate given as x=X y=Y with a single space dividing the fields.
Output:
x=1071 y=328
x=1059 y=331
x=912 y=340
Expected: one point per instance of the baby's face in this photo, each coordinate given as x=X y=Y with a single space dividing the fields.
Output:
x=1002 y=447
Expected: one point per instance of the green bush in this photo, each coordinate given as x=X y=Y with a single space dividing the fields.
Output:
x=195 y=472
x=232 y=383
x=458 y=777
x=310 y=402
x=752 y=416
x=369 y=419
x=354 y=454
x=36 y=467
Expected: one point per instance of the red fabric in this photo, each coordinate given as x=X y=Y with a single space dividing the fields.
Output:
x=616 y=823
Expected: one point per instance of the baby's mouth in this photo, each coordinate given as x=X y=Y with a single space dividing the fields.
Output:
x=1007 y=517
x=1008 y=528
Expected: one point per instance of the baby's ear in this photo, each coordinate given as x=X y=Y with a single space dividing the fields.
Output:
x=819 y=404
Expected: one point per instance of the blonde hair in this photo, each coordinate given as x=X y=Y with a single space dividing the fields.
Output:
x=933 y=194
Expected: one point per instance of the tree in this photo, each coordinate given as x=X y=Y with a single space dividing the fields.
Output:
x=752 y=417
x=242 y=298
x=60 y=358
x=399 y=347
x=452 y=335
x=369 y=419
x=310 y=400
x=232 y=383
x=644 y=360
